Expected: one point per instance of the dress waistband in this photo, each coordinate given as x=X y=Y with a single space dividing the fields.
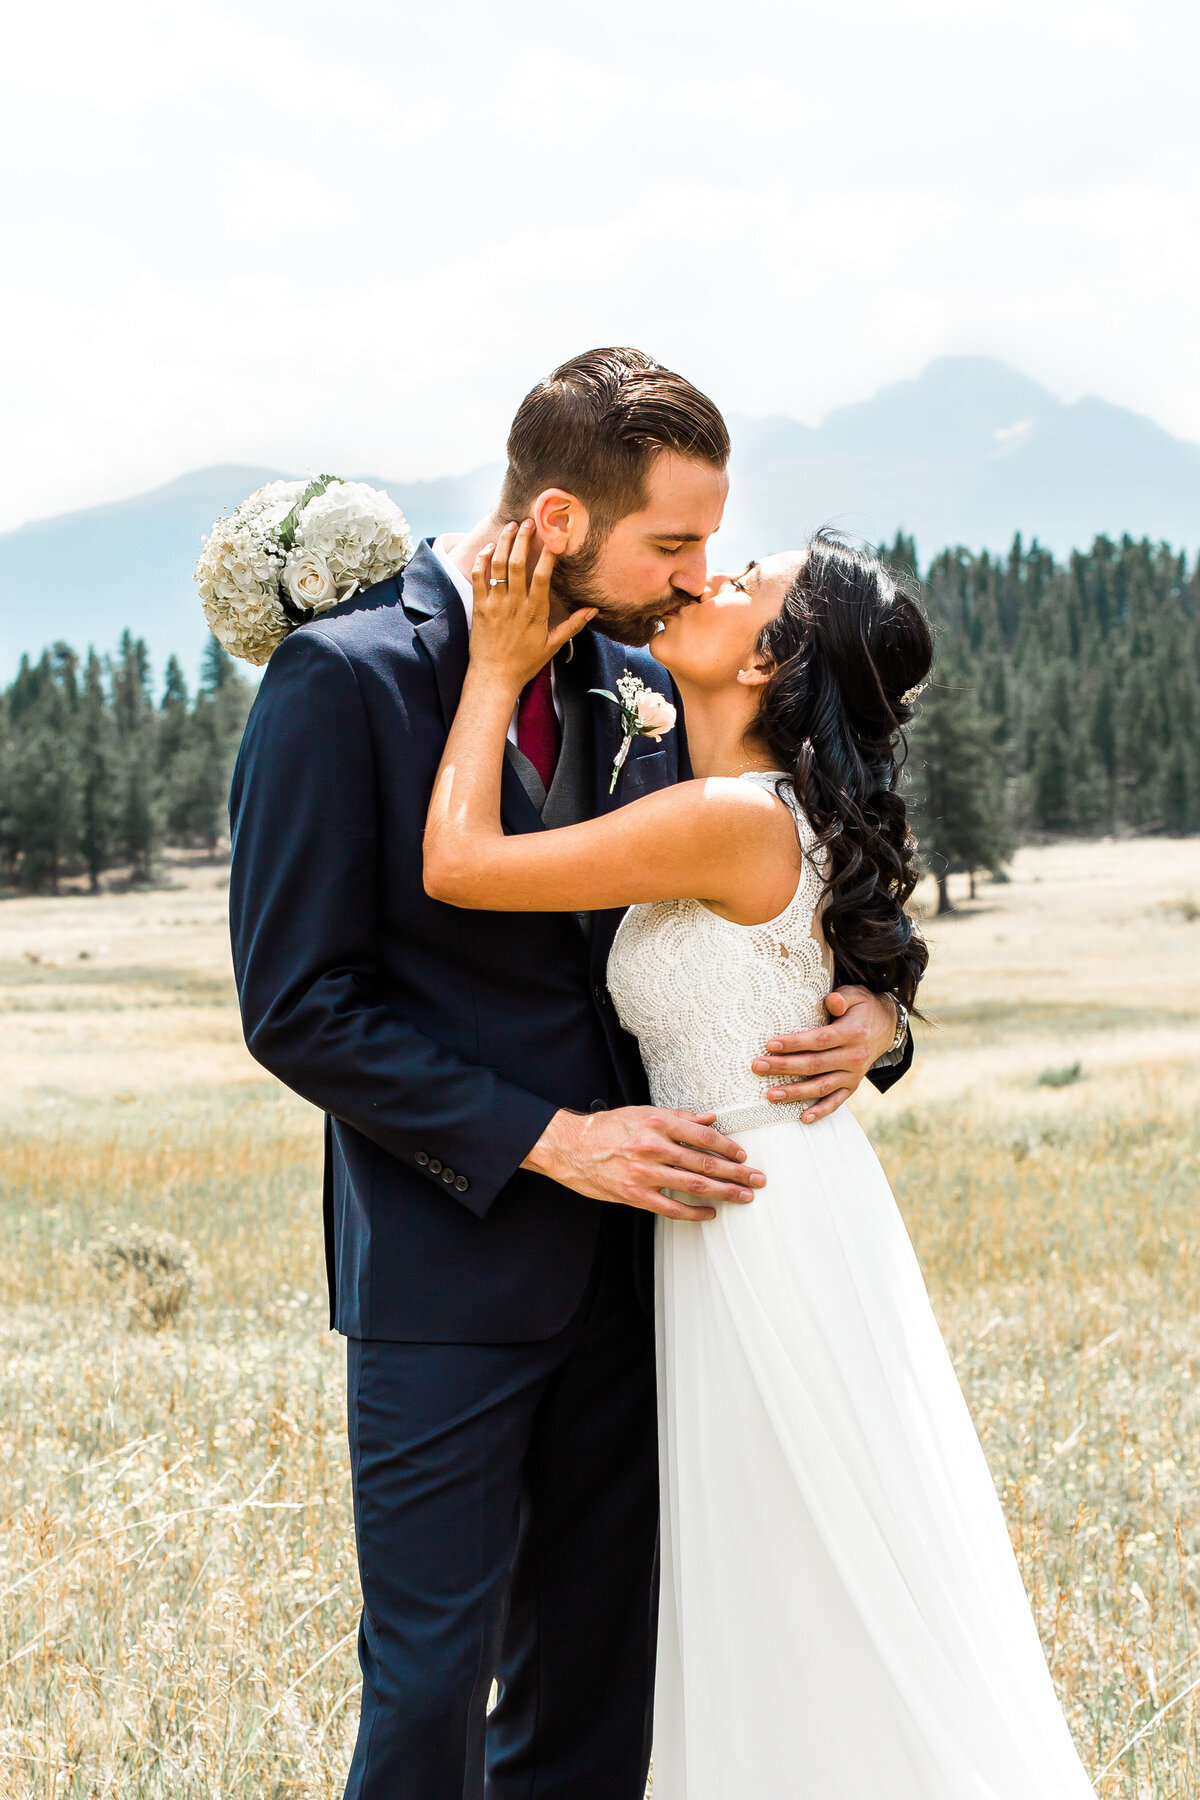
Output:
x=732 y=1119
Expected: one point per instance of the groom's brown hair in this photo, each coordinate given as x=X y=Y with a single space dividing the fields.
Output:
x=595 y=426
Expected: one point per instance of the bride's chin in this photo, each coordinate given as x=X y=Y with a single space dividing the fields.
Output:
x=663 y=643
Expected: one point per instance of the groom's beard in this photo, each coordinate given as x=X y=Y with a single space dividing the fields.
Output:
x=574 y=584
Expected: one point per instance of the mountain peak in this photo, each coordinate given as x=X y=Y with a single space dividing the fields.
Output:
x=956 y=405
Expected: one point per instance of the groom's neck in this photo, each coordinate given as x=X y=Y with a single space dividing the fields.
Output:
x=462 y=547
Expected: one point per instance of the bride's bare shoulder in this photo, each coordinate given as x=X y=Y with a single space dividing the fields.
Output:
x=725 y=804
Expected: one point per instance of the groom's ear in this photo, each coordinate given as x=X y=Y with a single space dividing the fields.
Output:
x=561 y=521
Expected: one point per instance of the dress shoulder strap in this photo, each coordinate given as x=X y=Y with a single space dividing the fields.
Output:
x=777 y=781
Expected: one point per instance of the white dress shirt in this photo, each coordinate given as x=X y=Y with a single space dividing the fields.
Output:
x=462 y=588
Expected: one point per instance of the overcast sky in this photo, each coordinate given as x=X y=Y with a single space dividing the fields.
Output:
x=351 y=237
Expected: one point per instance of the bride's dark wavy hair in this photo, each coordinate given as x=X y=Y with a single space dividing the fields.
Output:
x=846 y=648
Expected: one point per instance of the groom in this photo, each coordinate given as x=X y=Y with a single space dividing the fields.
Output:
x=491 y=1162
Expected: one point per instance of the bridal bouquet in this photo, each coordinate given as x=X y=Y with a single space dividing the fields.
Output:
x=291 y=551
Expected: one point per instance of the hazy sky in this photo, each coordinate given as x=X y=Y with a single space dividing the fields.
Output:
x=351 y=236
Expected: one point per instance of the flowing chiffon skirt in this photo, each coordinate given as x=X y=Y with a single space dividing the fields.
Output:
x=842 y=1614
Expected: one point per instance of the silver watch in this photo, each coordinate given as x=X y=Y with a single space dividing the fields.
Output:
x=901 y=1026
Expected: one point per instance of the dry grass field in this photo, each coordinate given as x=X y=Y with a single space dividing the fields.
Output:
x=177 y=1584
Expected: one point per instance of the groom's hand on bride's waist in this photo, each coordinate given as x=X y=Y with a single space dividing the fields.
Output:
x=632 y=1154
x=825 y=1065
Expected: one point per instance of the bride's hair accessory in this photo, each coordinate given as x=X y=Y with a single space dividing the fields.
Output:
x=914 y=694
x=643 y=714
x=290 y=552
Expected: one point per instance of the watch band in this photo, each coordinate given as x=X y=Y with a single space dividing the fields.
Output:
x=901 y=1026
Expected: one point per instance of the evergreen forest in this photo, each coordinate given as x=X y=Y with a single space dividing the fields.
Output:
x=97 y=772
x=1066 y=700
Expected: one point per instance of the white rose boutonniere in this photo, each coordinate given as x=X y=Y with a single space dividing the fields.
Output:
x=643 y=714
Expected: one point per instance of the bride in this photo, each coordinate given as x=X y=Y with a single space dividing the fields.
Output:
x=842 y=1616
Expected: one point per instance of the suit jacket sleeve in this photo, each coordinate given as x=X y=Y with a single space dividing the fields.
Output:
x=891 y=1073
x=303 y=922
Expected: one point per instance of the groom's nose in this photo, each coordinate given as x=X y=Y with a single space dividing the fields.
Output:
x=690 y=574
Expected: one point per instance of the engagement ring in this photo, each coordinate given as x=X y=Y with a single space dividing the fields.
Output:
x=497 y=583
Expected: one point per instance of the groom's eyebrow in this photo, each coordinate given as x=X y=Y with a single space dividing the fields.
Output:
x=680 y=537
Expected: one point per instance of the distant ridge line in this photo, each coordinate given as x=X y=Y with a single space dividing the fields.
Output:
x=967 y=453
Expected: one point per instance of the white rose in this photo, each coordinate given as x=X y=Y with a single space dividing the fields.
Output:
x=309 y=584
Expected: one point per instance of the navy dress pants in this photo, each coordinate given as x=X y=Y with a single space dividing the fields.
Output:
x=506 y=1508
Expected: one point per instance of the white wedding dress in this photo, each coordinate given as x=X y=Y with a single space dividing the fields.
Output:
x=842 y=1615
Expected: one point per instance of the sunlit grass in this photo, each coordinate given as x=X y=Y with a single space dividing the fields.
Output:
x=1064 y=1261
x=176 y=1551
x=178 y=1593
x=176 y=1555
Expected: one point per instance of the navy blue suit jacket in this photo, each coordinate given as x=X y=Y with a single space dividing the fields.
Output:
x=438 y=1042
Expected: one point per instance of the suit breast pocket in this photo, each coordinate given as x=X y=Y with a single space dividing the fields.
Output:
x=643 y=773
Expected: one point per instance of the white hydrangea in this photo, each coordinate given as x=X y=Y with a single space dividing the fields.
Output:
x=359 y=533
x=255 y=591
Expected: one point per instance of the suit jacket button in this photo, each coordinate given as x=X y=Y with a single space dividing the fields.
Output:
x=422 y=1160
x=435 y=1167
x=448 y=1175
x=462 y=1184
x=598 y=1106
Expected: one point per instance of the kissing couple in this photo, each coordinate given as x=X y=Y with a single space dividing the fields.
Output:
x=628 y=1302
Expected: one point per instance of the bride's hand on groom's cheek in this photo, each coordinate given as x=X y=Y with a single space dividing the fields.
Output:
x=825 y=1065
x=511 y=634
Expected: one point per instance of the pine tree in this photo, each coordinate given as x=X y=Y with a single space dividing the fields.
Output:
x=42 y=810
x=98 y=761
x=955 y=791
x=137 y=821
x=1054 y=806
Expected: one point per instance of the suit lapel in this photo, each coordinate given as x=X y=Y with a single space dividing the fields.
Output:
x=428 y=595
x=649 y=764
x=608 y=665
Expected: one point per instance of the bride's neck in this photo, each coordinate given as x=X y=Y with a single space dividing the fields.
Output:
x=720 y=730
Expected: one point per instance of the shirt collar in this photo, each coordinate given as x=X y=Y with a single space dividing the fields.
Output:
x=462 y=586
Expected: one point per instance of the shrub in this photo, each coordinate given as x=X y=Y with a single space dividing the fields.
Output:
x=155 y=1271
x=1061 y=1077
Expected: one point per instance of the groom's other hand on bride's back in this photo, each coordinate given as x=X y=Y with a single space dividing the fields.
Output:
x=634 y=1153
x=824 y=1066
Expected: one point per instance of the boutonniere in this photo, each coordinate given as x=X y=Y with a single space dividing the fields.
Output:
x=643 y=714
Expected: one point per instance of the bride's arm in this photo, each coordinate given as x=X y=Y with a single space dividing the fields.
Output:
x=724 y=841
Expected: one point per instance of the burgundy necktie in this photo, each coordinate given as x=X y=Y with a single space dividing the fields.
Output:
x=538 y=735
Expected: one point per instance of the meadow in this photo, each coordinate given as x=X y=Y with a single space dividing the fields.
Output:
x=178 y=1592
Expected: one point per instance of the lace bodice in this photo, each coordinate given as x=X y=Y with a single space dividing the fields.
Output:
x=702 y=995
